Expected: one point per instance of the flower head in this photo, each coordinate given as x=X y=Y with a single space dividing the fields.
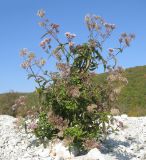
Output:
x=32 y=126
x=70 y=36
x=45 y=42
x=74 y=92
x=111 y=50
x=31 y=56
x=91 y=108
x=23 y=52
x=126 y=39
x=42 y=62
x=41 y=13
x=25 y=64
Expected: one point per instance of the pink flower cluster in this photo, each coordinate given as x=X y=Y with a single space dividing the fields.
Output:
x=55 y=27
x=21 y=101
x=109 y=26
x=46 y=42
x=41 y=13
x=23 y=52
x=125 y=39
x=70 y=36
x=32 y=125
x=97 y=25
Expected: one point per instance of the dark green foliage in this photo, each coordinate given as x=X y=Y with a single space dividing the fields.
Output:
x=44 y=128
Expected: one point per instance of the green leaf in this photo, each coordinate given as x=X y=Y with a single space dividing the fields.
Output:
x=30 y=76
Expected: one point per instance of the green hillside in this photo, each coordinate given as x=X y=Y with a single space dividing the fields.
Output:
x=132 y=100
x=8 y=99
x=133 y=96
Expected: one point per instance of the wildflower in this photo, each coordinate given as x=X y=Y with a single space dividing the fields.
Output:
x=23 y=52
x=91 y=143
x=126 y=39
x=87 y=18
x=57 y=54
x=45 y=42
x=113 y=26
x=32 y=126
x=109 y=26
x=21 y=101
x=41 y=24
x=54 y=26
x=41 y=13
x=42 y=62
x=111 y=50
x=14 y=107
x=42 y=44
x=92 y=43
x=97 y=17
x=71 y=44
x=25 y=64
x=97 y=27
x=70 y=36
x=31 y=56
x=54 y=75
x=64 y=68
x=67 y=34
x=117 y=90
x=115 y=111
x=91 y=108
x=74 y=92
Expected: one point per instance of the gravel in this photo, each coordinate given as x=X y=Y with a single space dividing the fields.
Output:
x=128 y=143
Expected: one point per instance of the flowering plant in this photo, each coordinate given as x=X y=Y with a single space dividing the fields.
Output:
x=77 y=109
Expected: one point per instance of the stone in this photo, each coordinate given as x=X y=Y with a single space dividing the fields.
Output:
x=44 y=153
x=1 y=143
x=62 y=151
x=59 y=158
x=124 y=116
x=95 y=154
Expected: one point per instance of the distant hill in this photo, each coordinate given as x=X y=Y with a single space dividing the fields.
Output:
x=132 y=100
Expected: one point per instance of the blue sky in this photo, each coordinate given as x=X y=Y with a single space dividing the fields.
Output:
x=19 y=29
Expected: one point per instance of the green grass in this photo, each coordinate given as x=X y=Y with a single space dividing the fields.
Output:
x=133 y=97
x=132 y=100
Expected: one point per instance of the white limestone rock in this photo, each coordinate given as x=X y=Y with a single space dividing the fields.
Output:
x=62 y=151
x=124 y=116
x=95 y=154
x=129 y=141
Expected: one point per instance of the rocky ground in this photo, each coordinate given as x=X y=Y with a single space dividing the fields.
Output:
x=129 y=143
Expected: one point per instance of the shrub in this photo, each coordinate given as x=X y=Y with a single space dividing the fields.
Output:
x=77 y=109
